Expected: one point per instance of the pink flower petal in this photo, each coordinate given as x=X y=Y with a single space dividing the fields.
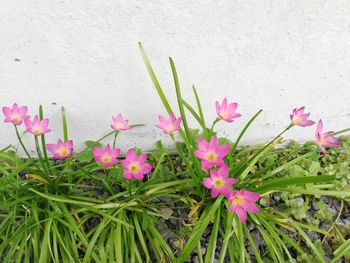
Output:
x=127 y=175
x=242 y=214
x=214 y=192
x=208 y=183
x=251 y=196
x=146 y=168
x=252 y=208
x=319 y=127
x=131 y=155
x=226 y=191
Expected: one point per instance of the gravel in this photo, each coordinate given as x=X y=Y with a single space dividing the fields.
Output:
x=177 y=216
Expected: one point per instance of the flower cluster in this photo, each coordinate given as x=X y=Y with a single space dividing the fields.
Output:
x=211 y=153
x=17 y=115
x=170 y=125
x=299 y=118
x=135 y=167
x=212 y=156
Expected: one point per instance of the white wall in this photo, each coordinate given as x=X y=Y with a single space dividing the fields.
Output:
x=274 y=55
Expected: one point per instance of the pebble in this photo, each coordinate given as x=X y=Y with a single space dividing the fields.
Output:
x=174 y=217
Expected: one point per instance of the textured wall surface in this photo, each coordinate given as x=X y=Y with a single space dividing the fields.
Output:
x=83 y=54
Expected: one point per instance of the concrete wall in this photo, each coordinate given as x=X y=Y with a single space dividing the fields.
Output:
x=274 y=55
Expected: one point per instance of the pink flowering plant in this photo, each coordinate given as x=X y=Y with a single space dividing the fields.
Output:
x=231 y=188
x=103 y=203
x=94 y=183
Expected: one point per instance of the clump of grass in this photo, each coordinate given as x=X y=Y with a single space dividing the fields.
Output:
x=73 y=209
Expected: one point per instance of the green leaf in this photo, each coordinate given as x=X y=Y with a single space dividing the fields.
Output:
x=314 y=168
x=64 y=125
x=91 y=144
x=209 y=257
x=155 y=80
x=201 y=226
x=283 y=183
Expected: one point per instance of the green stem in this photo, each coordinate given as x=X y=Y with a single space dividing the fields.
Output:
x=24 y=148
x=129 y=188
x=212 y=127
x=43 y=144
x=342 y=131
x=271 y=142
x=262 y=149
x=21 y=142
x=114 y=142
x=39 y=154
x=115 y=139
x=46 y=158
x=110 y=133
x=99 y=140
x=68 y=170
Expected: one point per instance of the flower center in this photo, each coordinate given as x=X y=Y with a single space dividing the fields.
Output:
x=170 y=128
x=224 y=114
x=63 y=152
x=134 y=168
x=239 y=201
x=119 y=126
x=296 y=120
x=211 y=156
x=219 y=183
x=15 y=117
x=106 y=158
x=37 y=130
x=323 y=141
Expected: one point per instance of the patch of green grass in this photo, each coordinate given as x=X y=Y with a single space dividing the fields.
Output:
x=76 y=210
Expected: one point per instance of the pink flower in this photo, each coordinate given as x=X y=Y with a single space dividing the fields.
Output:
x=299 y=118
x=107 y=156
x=170 y=125
x=135 y=166
x=37 y=126
x=226 y=111
x=61 y=150
x=242 y=201
x=119 y=124
x=16 y=114
x=219 y=182
x=211 y=153
x=325 y=138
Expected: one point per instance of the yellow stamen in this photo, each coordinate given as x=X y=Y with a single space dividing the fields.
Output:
x=219 y=183
x=119 y=126
x=134 y=168
x=322 y=141
x=37 y=130
x=224 y=114
x=106 y=158
x=296 y=120
x=169 y=128
x=63 y=151
x=15 y=117
x=239 y=201
x=211 y=156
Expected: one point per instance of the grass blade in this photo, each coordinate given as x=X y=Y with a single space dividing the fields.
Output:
x=155 y=80
x=202 y=224
x=283 y=183
x=64 y=125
